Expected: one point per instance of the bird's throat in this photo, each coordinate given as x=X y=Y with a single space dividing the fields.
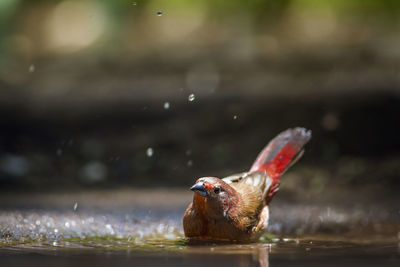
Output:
x=199 y=203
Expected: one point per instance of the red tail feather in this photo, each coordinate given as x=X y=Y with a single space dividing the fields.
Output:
x=282 y=160
x=281 y=152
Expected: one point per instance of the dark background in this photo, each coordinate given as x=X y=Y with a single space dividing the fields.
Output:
x=83 y=87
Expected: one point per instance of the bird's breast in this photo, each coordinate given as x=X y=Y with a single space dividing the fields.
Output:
x=198 y=225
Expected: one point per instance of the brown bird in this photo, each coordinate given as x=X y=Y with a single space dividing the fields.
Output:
x=235 y=208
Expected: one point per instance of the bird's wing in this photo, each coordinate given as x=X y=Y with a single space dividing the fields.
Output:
x=235 y=178
x=254 y=184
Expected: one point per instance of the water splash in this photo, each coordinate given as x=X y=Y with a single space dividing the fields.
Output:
x=191 y=97
x=149 y=152
x=20 y=227
x=126 y=221
x=166 y=105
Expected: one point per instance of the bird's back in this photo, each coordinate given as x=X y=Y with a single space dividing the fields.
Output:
x=255 y=184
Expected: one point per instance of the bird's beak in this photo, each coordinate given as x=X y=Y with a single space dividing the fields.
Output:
x=199 y=189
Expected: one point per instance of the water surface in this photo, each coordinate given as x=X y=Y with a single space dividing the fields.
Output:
x=130 y=227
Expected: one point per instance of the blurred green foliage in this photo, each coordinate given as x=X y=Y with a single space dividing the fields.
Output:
x=261 y=14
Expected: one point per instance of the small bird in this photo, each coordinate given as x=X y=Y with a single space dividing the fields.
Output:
x=236 y=208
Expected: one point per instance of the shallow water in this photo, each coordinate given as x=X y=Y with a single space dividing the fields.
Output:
x=140 y=227
x=301 y=252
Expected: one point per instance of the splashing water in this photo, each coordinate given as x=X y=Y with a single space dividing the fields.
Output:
x=137 y=223
x=53 y=227
x=191 y=97
x=149 y=152
x=166 y=105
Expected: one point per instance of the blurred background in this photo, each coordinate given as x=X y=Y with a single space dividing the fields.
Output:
x=110 y=110
x=153 y=94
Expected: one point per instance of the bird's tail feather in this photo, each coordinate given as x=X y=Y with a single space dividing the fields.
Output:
x=280 y=154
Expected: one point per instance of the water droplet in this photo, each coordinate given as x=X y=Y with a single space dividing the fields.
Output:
x=134 y=4
x=59 y=152
x=191 y=97
x=188 y=152
x=149 y=152
x=235 y=117
x=31 y=68
x=159 y=13
x=54 y=243
x=56 y=231
x=67 y=224
x=166 y=105
x=190 y=163
x=75 y=206
x=110 y=228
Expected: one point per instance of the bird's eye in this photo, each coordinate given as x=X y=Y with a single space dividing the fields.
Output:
x=217 y=190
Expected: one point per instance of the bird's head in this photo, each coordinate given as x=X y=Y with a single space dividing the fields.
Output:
x=218 y=195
